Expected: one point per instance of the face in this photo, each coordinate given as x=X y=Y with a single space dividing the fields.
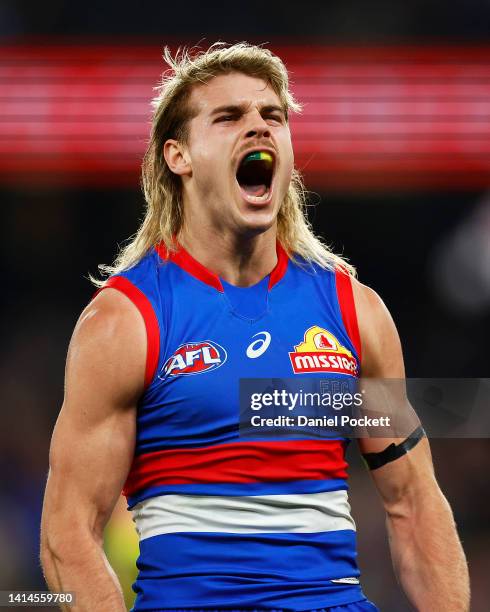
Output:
x=239 y=154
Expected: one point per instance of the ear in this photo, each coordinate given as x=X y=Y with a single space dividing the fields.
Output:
x=177 y=157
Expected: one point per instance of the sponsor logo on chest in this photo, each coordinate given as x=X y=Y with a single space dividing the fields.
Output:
x=195 y=358
x=320 y=351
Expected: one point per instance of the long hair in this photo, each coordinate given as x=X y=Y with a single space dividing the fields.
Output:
x=162 y=189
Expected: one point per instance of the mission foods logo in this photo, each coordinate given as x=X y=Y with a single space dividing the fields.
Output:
x=195 y=358
x=322 y=352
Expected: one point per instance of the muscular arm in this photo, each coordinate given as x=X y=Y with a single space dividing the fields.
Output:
x=427 y=555
x=92 y=449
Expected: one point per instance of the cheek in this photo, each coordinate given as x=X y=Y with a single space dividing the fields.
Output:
x=202 y=164
x=199 y=148
x=287 y=162
x=200 y=152
x=206 y=153
x=287 y=152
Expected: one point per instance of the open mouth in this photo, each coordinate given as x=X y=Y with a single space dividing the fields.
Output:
x=254 y=175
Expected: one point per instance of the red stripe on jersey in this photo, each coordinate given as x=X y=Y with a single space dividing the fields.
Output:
x=281 y=266
x=348 y=308
x=184 y=260
x=143 y=304
x=239 y=462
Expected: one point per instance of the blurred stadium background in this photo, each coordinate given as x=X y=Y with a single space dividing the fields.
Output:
x=394 y=143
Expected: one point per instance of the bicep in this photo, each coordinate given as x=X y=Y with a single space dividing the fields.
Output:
x=93 y=440
x=383 y=374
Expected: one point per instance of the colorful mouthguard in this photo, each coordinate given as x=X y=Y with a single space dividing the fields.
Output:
x=258 y=156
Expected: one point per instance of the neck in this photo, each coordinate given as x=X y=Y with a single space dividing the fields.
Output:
x=239 y=260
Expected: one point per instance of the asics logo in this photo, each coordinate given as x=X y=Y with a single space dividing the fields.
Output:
x=259 y=346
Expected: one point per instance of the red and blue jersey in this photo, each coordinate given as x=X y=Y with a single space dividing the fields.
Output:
x=226 y=521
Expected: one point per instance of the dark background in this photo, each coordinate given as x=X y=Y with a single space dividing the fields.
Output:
x=425 y=252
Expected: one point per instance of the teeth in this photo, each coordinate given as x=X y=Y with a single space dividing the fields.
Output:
x=257 y=199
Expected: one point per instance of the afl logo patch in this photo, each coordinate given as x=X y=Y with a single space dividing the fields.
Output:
x=194 y=358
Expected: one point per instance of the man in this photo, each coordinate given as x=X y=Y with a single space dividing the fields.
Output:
x=225 y=280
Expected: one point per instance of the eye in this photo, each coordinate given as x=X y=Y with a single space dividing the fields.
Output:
x=274 y=117
x=226 y=118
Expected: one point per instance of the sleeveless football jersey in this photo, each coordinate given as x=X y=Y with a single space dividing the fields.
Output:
x=225 y=521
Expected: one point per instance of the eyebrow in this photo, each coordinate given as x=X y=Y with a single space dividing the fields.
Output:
x=240 y=108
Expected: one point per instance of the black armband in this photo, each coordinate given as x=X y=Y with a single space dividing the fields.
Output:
x=394 y=451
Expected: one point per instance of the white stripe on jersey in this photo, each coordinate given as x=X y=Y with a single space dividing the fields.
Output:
x=300 y=513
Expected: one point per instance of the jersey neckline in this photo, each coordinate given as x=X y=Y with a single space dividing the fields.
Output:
x=186 y=262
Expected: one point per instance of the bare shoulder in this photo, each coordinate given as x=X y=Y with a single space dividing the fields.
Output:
x=382 y=354
x=109 y=313
x=369 y=305
x=108 y=348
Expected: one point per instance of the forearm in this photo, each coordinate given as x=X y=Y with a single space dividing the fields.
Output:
x=427 y=554
x=79 y=565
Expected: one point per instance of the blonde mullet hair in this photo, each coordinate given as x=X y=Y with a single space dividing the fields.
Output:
x=162 y=189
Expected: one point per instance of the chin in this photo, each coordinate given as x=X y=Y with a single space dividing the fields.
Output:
x=257 y=222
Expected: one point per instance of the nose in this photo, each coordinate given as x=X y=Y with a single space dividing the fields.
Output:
x=258 y=128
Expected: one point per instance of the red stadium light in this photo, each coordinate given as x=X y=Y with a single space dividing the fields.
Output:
x=374 y=118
